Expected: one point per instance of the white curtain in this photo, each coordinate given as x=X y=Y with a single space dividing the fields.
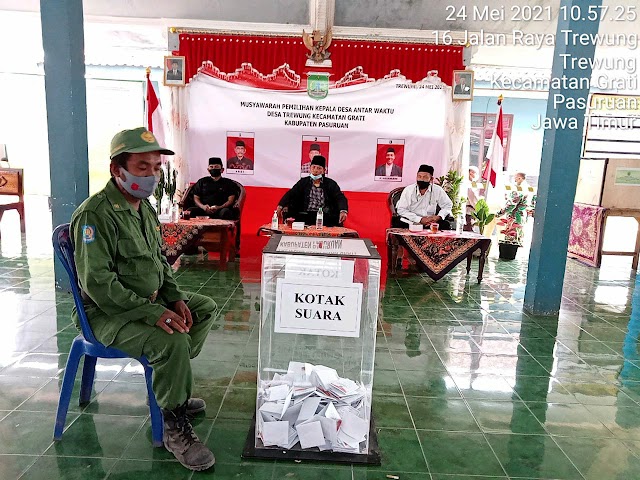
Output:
x=458 y=119
x=179 y=124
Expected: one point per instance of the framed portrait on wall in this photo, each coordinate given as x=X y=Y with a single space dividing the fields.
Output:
x=462 y=85
x=313 y=145
x=174 y=71
x=389 y=160
x=240 y=152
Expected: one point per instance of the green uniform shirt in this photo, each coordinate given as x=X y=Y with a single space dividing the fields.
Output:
x=119 y=263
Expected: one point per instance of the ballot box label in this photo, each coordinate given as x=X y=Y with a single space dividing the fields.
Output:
x=323 y=246
x=330 y=270
x=307 y=307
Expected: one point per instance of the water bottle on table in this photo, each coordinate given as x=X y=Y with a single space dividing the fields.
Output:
x=319 y=219
x=460 y=223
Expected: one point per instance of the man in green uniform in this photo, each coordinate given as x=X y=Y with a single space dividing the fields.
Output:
x=132 y=301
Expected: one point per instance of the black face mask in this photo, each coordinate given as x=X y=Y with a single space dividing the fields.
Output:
x=422 y=184
x=215 y=172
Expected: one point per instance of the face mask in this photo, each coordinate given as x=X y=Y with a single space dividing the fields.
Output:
x=422 y=184
x=139 y=187
x=315 y=177
x=215 y=172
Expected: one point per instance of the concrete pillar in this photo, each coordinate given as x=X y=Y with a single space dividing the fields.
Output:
x=560 y=163
x=63 y=42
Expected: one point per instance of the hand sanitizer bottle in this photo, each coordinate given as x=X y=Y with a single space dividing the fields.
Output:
x=274 y=220
x=460 y=224
x=175 y=212
x=319 y=219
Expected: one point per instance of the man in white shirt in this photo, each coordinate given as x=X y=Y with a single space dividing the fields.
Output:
x=423 y=202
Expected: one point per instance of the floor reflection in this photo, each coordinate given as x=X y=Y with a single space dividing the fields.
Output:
x=465 y=382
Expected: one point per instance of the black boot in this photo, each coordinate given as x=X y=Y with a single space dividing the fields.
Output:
x=180 y=439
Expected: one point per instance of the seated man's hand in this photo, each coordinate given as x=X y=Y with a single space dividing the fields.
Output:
x=170 y=321
x=429 y=219
x=343 y=217
x=181 y=309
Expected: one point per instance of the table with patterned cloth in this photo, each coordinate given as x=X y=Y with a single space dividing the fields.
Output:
x=437 y=253
x=213 y=234
x=309 y=231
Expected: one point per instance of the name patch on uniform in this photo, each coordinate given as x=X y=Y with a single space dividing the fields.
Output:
x=88 y=233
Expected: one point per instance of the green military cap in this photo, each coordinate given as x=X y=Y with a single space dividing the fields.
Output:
x=137 y=140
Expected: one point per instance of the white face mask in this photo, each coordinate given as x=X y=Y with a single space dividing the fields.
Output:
x=315 y=177
x=138 y=187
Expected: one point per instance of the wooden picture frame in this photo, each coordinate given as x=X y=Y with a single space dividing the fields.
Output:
x=174 y=71
x=462 y=85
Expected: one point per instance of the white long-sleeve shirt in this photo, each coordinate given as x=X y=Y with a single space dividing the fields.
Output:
x=414 y=206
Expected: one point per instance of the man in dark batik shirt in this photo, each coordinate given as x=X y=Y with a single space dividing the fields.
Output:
x=311 y=193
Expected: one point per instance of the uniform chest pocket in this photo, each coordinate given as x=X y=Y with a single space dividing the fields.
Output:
x=133 y=257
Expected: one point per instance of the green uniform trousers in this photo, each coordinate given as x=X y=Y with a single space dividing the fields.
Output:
x=170 y=354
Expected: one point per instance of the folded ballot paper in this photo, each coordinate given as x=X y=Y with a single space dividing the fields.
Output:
x=313 y=406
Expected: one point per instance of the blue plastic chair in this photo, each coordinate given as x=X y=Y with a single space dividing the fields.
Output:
x=87 y=345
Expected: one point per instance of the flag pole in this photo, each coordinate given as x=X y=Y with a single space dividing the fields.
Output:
x=488 y=166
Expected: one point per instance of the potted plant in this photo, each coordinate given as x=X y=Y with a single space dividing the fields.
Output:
x=450 y=183
x=512 y=222
x=159 y=192
x=512 y=238
x=170 y=188
x=481 y=216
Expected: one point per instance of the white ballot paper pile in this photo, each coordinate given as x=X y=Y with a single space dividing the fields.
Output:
x=312 y=405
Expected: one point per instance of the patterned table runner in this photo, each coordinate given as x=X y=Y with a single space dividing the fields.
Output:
x=437 y=253
x=310 y=231
x=179 y=237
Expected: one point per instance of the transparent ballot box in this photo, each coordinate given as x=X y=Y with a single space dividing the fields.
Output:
x=319 y=309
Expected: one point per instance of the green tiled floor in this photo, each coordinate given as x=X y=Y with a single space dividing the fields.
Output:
x=467 y=386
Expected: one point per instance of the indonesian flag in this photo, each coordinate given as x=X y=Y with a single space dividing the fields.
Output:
x=154 y=121
x=495 y=155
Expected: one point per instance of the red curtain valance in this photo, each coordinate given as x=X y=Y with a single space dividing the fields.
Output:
x=377 y=59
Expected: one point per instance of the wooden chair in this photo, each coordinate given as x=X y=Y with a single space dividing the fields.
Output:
x=12 y=184
x=392 y=200
x=188 y=202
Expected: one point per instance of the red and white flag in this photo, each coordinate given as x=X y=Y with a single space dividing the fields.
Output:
x=154 y=121
x=495 y=155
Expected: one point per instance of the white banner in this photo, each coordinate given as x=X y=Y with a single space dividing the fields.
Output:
x=374 y=135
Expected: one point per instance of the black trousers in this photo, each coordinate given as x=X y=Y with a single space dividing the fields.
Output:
x=309 y=218
x=223 y=213
x=397 y=223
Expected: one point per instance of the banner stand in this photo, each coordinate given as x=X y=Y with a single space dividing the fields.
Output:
x=317 y=336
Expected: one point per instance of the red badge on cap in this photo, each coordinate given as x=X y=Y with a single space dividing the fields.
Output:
x=135 y=186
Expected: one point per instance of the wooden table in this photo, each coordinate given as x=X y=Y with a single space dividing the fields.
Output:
x=309 y=231
x=12 y=184
x=212 y=234
x=437 y=253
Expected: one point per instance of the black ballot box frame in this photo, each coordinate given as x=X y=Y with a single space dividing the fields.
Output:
x=373 y=458
x=346 y=348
